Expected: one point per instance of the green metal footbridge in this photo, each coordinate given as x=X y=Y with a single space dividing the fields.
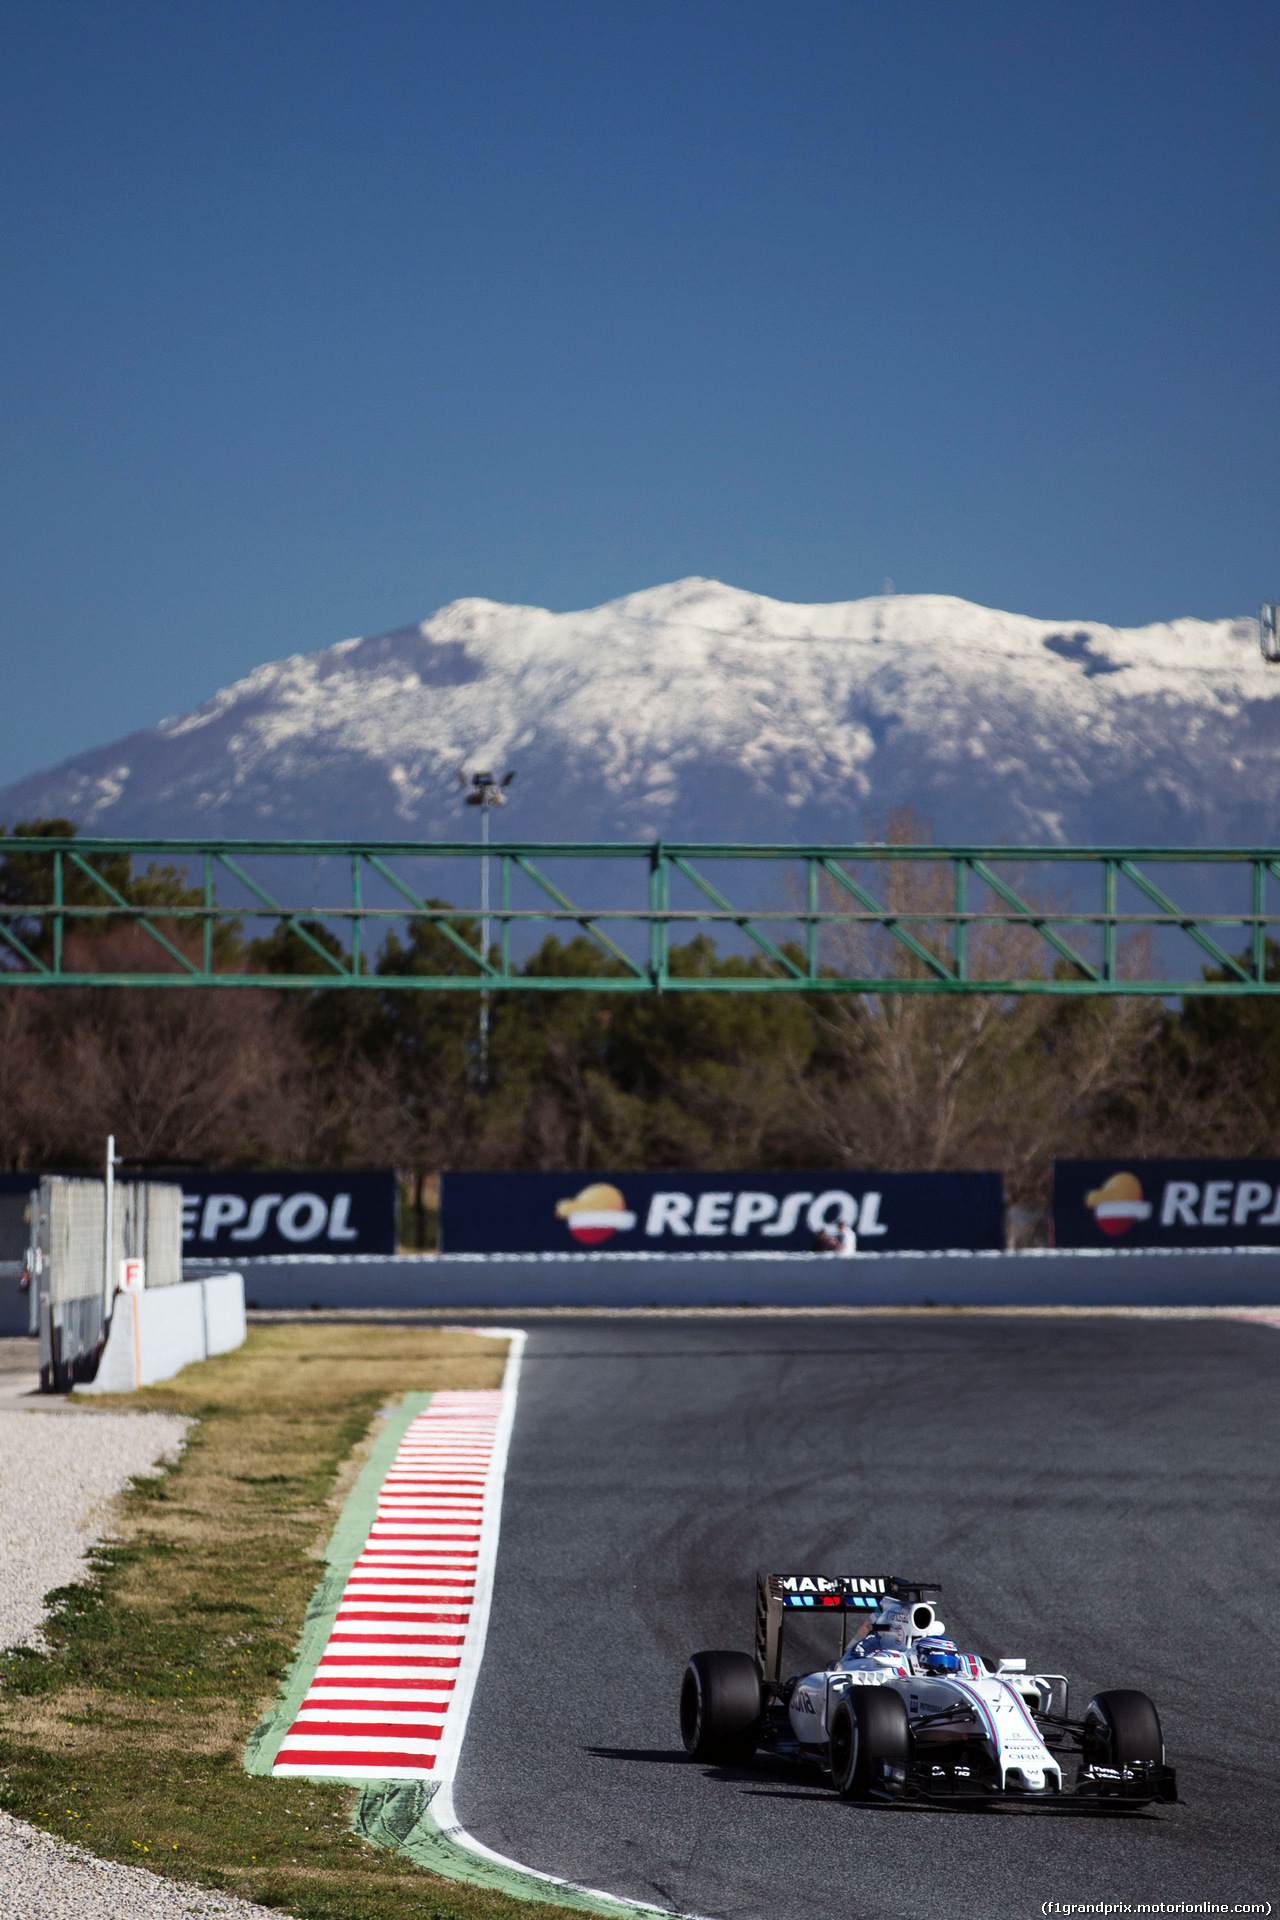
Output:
x=861 y=918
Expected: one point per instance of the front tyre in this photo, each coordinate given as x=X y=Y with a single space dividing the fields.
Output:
x=720 y=1706
x=1123 y=1751
x=1122 y=1728
x=869 y=1733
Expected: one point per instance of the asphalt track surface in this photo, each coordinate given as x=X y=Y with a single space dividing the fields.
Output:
x=1099 y=1495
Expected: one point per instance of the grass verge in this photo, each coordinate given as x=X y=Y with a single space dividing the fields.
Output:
x=126 y=1734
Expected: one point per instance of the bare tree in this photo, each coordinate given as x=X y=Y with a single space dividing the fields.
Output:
x=930 y=1078
x=27 y=1120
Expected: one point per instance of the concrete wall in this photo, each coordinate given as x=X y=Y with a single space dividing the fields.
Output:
x=1225 y=1277
x=157 y=1332
x=224 y=1322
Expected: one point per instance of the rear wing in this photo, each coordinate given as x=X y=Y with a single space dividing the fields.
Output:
x=840 y=1595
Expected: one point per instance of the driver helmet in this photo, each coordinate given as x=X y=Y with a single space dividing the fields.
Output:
x=937 y=1655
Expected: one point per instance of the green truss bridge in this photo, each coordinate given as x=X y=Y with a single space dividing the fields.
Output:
x=860 y=918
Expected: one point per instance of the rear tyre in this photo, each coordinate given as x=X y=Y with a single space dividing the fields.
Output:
x=869 y=1731
x=720 y=1706
x=1122 y=1727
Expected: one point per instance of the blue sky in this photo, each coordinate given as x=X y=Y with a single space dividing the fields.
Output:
x=316 y=316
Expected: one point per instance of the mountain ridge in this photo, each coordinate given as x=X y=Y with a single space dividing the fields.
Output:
x=696 y=710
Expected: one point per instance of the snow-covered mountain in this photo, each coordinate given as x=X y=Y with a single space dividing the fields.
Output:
x=698 y=711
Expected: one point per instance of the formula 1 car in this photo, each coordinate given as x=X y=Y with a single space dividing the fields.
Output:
x=903 y=1714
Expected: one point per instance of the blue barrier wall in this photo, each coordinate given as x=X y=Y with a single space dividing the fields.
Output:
x=1244 y=1277
x=1247 y=1277
x=14 y=1308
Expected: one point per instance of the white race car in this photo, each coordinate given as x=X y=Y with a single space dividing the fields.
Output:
x=903 y=1713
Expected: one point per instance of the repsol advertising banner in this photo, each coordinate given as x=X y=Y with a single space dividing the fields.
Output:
x=238 y=1215
x=717 y=1212
x=1166 y=1203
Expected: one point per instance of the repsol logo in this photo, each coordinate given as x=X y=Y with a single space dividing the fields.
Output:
x=298 y=1218
x=740 y=1215
x=1220 y=1203
x=1174 y=1202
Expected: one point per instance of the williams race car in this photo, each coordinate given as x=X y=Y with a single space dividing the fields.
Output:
x=902 y=1713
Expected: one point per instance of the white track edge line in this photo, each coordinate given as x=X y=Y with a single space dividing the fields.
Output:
x=443 y=1811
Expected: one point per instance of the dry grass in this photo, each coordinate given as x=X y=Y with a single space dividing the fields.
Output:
x=127 y=1734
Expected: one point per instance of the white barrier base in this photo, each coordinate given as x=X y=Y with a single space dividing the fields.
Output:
x=157 y=1332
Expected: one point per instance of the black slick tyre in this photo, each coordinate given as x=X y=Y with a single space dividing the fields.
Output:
x=1122 y=1727
x=720 y=1706
x=1122 y=1730
x=869 y=1731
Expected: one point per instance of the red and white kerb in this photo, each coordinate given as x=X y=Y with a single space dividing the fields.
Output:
x=379 y=1703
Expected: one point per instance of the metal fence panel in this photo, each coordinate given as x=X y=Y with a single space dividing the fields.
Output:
x=69 y=1300
x=72 y=1217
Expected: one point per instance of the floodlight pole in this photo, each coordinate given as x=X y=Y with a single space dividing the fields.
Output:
x=109 y=1227
x=485 y=791
x=484 y=935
